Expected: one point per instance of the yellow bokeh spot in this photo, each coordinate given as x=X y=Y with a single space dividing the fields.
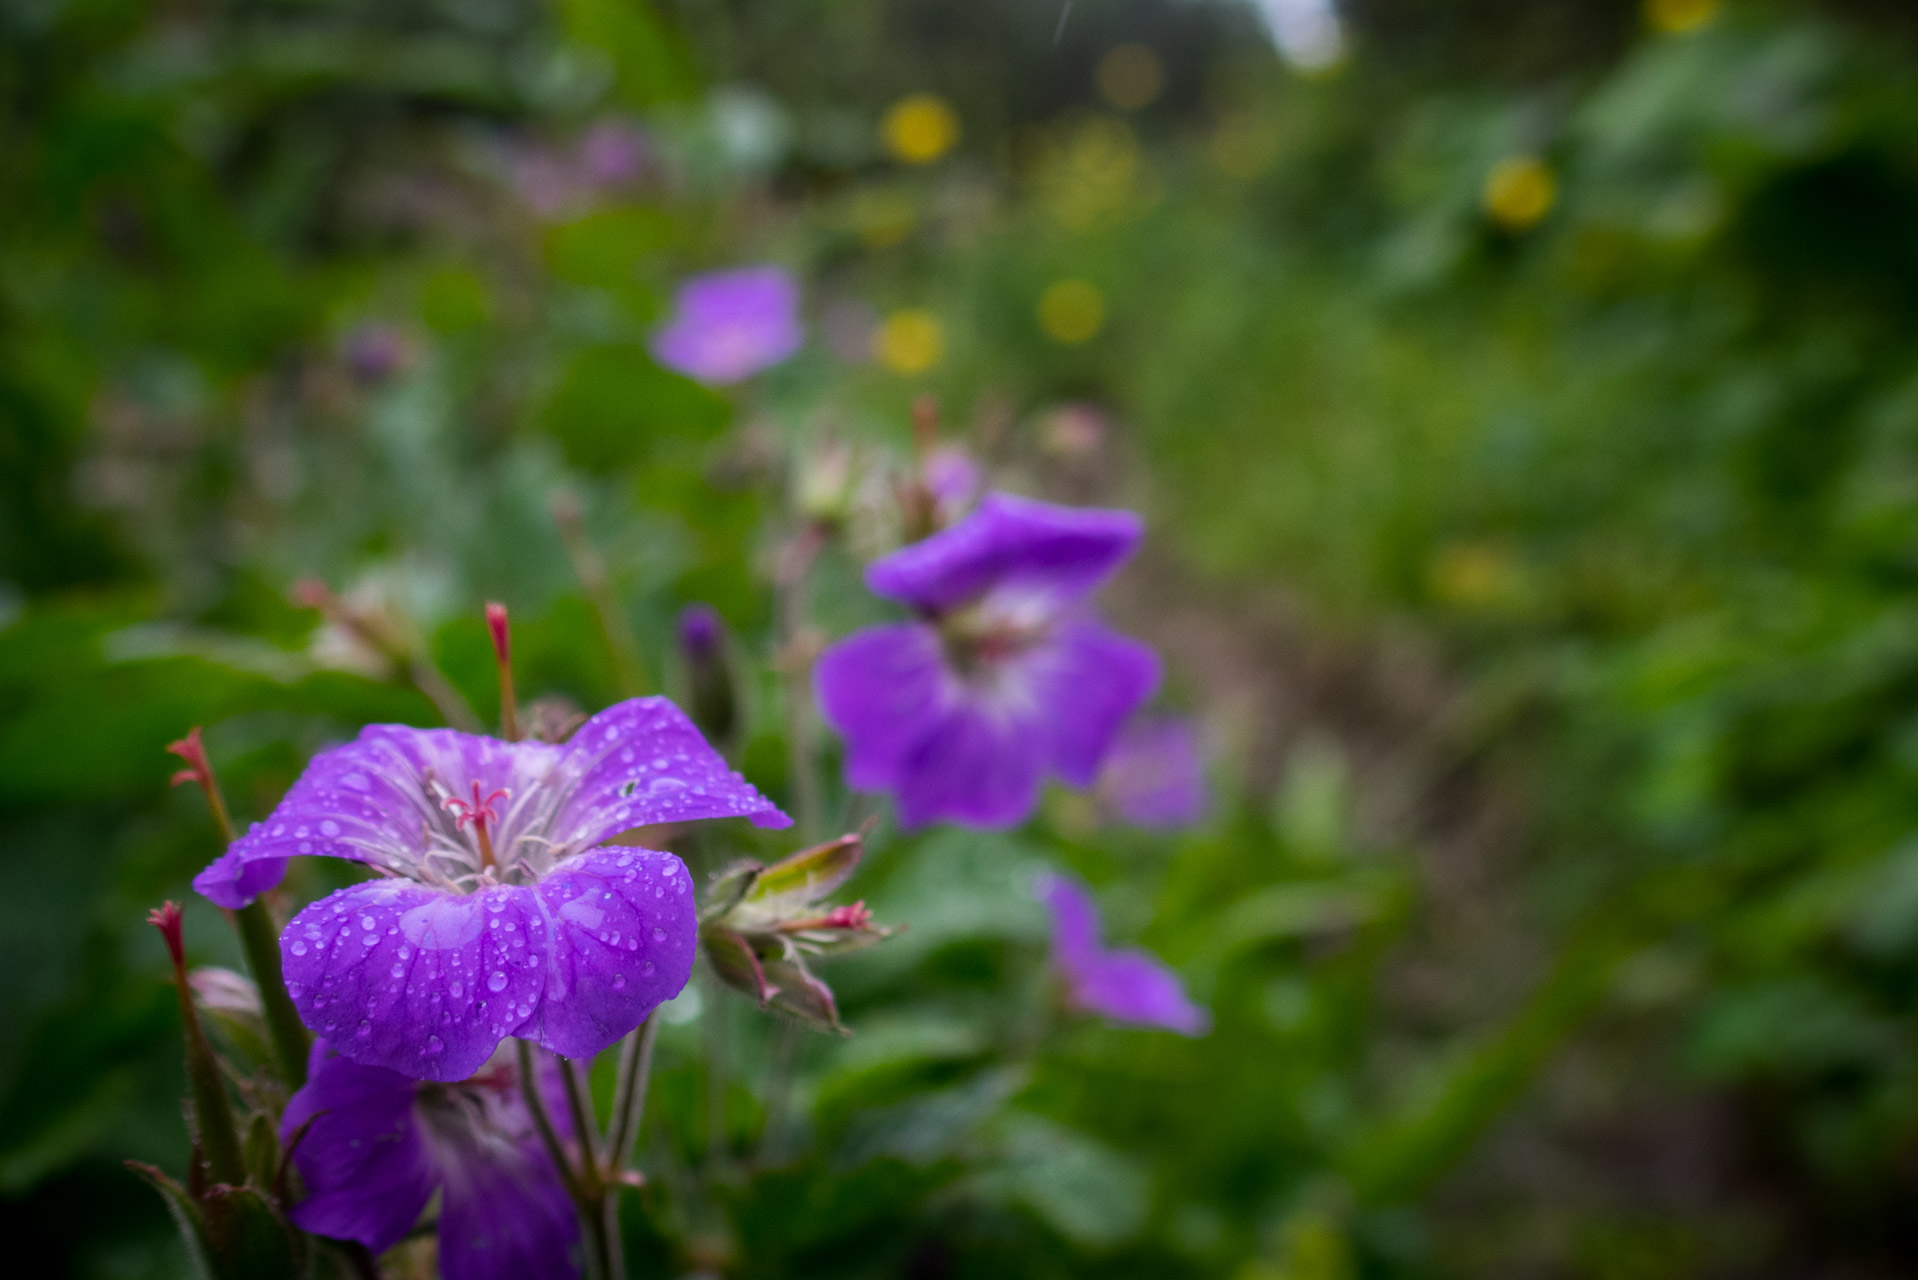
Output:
x=1131 y=76
x=1676 y=16
x=1519 y=192
x=1474 y=574
x=1072 y=311
x=910 y=341
x=920 y=128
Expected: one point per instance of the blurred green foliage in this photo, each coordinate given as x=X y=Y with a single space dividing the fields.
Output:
x=1543 y=564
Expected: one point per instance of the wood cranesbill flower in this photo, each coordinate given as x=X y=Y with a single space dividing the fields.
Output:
x=500 y=909
x=373 y=1146
x=1127 y=985
x=728 y=325
x=1002 y=678
x=1155 y=776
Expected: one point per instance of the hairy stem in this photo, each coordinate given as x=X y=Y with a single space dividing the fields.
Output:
x=261 y=941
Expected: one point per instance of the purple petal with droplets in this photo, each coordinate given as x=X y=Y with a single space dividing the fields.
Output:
x=1009 y=543
x=642 y=762
x=622 y=929
x=884 y=690
x=410 y=978
x=366 y=1168
x=368 y=801
x=1089 y=680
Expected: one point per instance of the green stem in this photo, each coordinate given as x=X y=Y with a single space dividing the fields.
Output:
x=529 y=1087
x=629 y=1095
x=262 y=945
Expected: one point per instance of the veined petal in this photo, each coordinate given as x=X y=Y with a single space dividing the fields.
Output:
x=422 y=982
x=1009 y=542
x=884 y=690
x=621 y=930
x=981 y=765
x=1089 y=680
x=373 y=800
x=506 y=1216
x=641 y=762
x=367 y=1171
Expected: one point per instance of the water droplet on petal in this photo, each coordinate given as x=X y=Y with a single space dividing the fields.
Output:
x=659 y=934
x=434 y=1047
x=298 y=948
x=365 y=1030
x=497 y=982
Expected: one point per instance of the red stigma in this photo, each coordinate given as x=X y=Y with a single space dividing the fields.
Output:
x=166 y=918
x=854 y=916
x=476 y=811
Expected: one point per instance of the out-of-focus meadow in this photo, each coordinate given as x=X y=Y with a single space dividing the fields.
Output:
x=1523 y=399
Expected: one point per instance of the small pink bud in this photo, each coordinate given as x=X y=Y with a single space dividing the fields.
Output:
x=854 y=916
x=193 y=752
x=311 y=593
x=496 y=626
x=166 y=918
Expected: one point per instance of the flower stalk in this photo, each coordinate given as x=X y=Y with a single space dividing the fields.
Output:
x=217 y=1138
x=259 y=936
x=500 y=630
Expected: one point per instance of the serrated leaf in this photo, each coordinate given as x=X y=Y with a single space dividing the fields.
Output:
x=807 y=876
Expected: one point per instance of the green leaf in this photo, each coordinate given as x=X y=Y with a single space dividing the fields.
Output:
x=186 y=1216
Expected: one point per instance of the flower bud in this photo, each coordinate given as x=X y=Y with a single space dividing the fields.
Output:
x=712 y=698
x=760 y=924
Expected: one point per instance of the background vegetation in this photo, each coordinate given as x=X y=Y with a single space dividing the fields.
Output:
x=1525 y=407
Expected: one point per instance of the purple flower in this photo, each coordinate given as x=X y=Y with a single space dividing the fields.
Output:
x=1002 y=678
x=379 y=1144
x=1126 y=986
x=1155 y=776
x=728 y=325
x=501 y=910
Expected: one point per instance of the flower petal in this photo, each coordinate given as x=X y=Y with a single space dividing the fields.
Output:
x=369 y=801
x=505 y=1214
x=981 y=765
x=1089 y=680
x=884 y=689
x=640 y=762
x=622 y=930
x=1014 y=542
x=425 y=983
x=366 y=1167
x=1075 y=924
x=1133 y=986
x=1154 y=775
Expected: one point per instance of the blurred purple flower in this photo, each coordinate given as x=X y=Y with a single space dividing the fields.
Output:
x=728 y=325
x=379 y=1144
x=1155 y=776
x=499 y=912
x=1128 y=985
x=1002 y=678
x=951 y=479
x=375 y=351
x=613 y=153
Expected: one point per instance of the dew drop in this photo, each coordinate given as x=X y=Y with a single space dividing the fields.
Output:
x=329 y=828
x=497 y=982
x=434 y=1047
x=298 y=948
x=368 y=922
x=458 y=989
x=659 y=934
x=619 y=982
x=364 y=1030
x=646 y=967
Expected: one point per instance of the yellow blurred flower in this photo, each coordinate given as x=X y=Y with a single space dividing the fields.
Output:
x=1519 y=192
x=1089 y=171
x=1473 y=574
x=920 y=128
x=1072 y=311
x=910 y=341
x=1131 y=76
x=1676 y=16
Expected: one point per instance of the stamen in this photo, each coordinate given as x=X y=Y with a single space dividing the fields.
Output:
x=478 y=812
